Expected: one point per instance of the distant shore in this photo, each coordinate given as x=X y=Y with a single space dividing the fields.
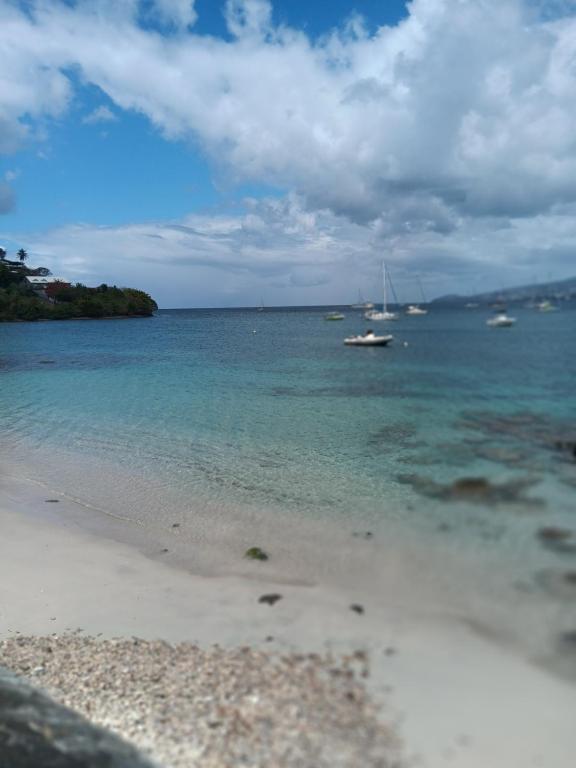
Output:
x=83 y=317
x=455 y=692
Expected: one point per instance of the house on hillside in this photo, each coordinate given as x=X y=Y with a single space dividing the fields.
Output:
x=46 y=286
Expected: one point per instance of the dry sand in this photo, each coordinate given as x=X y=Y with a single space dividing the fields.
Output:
x=455 y=697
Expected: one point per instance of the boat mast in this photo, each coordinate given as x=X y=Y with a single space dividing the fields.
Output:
x=384 y=303
x=421 y=291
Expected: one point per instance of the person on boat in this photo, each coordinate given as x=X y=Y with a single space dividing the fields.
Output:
x=368 y=333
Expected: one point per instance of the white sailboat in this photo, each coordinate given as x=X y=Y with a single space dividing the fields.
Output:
x=374 y=314
x=361 y=304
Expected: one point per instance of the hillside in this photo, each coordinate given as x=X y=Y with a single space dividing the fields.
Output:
x=51 y=299
x=558 y=290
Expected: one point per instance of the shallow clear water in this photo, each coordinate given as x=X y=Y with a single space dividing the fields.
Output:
x=270 y=410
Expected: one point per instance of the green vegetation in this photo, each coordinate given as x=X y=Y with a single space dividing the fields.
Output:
x=255 y=553
x=61 y=301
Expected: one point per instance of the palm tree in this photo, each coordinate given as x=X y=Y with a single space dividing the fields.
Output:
x=22 y=255
x=2 y=253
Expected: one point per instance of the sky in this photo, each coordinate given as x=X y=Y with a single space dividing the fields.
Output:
x=224 y=152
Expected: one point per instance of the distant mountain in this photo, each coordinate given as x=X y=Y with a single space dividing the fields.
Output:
x=557 y=290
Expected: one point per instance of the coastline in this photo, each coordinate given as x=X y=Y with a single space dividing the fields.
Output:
x=58 y=577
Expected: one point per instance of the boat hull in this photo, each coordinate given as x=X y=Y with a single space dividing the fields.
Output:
x=371 y=341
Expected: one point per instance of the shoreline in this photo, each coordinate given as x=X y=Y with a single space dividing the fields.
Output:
x=439 y=677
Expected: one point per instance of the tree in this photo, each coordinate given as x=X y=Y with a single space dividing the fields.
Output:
x=2 y=253
x=22 y=255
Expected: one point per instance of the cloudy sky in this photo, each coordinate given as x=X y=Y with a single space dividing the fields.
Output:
x=216 y=152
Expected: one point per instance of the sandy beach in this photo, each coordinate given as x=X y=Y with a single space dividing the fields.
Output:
x=452 y=696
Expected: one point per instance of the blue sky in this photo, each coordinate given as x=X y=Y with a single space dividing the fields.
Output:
x=285 y=148
x=123 y=170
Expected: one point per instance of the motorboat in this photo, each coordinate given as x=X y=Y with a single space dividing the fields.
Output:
x=415 y=310
x=369 y=339
x=501 y=320
x=334 y=316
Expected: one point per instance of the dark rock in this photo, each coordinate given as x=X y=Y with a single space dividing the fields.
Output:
x=566 y=447
x=52 y=501
x=270 y=599
x=357 y=608
x=476 y=490
x=527 y=428
x=255 y=553
x=175 y=525
x=36 y=732
x=362 y=534
x=559 y=539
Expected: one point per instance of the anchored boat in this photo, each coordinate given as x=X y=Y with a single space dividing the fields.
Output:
x=369 y=339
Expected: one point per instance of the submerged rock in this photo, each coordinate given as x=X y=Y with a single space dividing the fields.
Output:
x=559 y=539
x=476 y=490
x=528 y=429
x=357 y=608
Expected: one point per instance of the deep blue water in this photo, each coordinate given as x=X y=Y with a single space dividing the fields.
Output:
x=272 y=410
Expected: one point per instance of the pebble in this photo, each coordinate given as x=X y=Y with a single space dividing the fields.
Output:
x=185 y=706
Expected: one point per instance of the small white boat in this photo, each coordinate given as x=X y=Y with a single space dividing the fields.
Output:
x=361 y=303
x=369 y=339
x=375 y=315
x=334 y=316
x=501 y=320
x=546 y=306
x=414 y=310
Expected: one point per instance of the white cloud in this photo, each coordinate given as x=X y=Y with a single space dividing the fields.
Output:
x=279 y=250
x=423 y=133
x=179 y=13
x=102 y=114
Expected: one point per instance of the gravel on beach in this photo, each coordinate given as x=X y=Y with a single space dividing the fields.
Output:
x=188 y=707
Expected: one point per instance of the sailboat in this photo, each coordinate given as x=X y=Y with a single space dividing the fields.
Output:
x=373 y=314
x=415 y=309
x=261 y=307
x=361 y=304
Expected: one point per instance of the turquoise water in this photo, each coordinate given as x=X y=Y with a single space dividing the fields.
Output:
x=271 y=411
x=272 y=408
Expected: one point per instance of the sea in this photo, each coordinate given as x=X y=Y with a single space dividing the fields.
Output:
x=456 y=432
